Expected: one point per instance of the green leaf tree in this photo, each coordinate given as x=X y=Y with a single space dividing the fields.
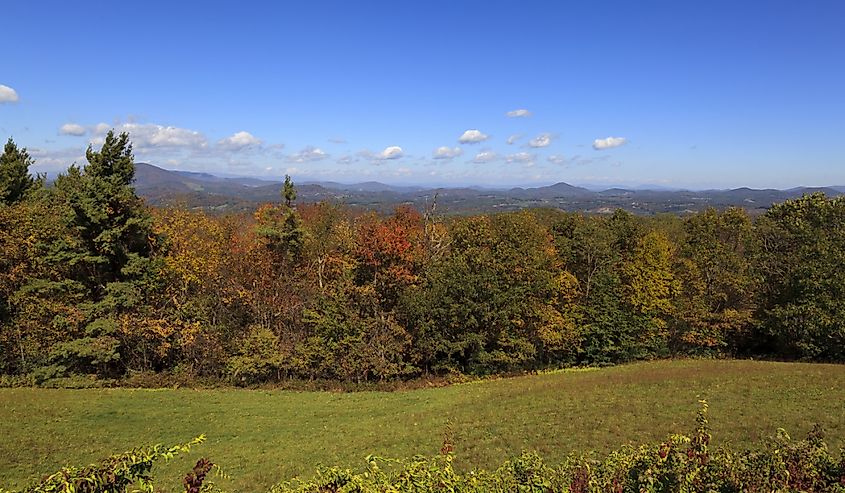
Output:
x=800 y=254
x=595 y=249
x=499 y=301
x=716 y=302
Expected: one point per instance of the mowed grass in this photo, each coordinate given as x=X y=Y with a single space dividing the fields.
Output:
x=262 y=437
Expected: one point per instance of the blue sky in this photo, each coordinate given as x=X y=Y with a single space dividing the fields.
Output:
x=688 y=94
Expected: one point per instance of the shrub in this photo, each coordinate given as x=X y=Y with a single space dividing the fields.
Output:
x=116 y=473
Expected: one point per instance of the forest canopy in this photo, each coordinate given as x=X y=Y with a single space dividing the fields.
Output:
x=95 y=282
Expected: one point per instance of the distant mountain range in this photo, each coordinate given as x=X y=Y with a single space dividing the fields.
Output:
x=206 y=191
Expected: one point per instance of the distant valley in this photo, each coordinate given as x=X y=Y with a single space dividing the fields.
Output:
x=226 y=194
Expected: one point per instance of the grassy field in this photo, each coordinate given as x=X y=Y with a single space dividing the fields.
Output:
x=261 y=437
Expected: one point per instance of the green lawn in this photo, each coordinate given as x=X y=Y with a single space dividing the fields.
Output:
x=261 y=437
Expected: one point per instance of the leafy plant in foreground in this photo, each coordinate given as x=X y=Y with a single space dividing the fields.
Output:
x=119 y=472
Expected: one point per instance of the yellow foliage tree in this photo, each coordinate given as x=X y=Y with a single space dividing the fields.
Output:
x=650 y=282
x=196 y=248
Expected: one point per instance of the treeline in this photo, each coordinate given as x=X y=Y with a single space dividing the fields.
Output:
x=94 y=282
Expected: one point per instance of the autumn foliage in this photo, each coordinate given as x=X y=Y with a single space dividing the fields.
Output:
x=95 y=283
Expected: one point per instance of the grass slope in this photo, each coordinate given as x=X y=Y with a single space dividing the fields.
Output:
x=261 y=437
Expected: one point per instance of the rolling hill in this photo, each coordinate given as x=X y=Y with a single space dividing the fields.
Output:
x=231 y=194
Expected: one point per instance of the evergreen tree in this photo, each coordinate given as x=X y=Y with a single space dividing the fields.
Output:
x=111 y=220
x=282 y=226
x=15 y=180
x=108 y=266
x=288 y=192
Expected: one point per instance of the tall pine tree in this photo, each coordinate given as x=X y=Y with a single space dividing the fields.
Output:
x=282 y=226
x=112 y=222
x=15 y=179
x=109 y=261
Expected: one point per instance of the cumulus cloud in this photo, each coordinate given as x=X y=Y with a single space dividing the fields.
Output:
x=150 y=136
x=8 y=95
x=238 y=141
x=513 y=138
x=447 y=152
x=525 y=158
x=473 y=136
x=309 y=153
x=542 y=140
x=609 y=143
x=74 y=129
x=485 y=157
x=391 y=152
x=520 y=113
x=190 y=149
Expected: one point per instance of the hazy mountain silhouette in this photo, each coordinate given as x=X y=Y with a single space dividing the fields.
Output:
x=207 y=191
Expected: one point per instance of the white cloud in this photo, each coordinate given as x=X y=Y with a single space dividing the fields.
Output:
x=190 y=149
x=447 y=152
x=391 y=152
x=485 y=157
x=609 y=143
x=556 y=159
x=542 y=140
x=8 y=95
x=472 y=136
x=161 y=136
x=513 y=138
x=525 y=158
x=520 y=113
x=239 y=140
x=309 y=153
x=149 y=135
x=74 y=129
